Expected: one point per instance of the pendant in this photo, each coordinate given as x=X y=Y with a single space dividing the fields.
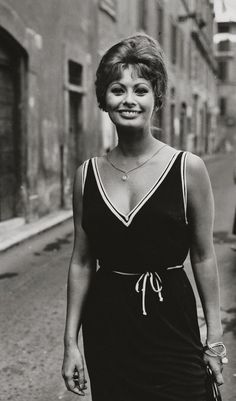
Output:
x=124 y=177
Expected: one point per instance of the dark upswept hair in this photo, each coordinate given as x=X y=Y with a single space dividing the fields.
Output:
x=146 y=57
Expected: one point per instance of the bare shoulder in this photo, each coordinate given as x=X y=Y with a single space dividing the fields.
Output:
x=195 y=166
x=168 y=149
x=78 y=177
x=78 y=181
x=78 y=193
x=197 y=174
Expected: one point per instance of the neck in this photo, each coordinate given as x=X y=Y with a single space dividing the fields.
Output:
x=135 y=143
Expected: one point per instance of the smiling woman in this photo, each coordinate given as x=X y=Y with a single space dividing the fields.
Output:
x=138 y=211
x=130 y=98
x=147 y=60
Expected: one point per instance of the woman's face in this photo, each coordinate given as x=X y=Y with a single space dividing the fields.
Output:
x=130 y=100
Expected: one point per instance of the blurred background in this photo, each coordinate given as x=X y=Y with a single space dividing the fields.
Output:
x=50 y=123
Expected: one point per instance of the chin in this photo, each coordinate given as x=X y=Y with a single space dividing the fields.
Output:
x=130 y=123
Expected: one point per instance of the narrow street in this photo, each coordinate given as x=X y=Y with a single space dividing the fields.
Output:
x=33 y=292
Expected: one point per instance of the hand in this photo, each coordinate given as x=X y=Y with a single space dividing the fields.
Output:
x=216 y=366
x=73 y=371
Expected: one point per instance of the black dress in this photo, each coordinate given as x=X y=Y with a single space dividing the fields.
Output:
x=140 y=328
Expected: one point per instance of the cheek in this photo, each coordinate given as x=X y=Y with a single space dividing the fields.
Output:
x=152 y=103
x=111 y=100
x=149 y=105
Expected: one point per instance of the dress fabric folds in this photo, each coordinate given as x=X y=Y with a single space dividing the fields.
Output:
x=140 y=329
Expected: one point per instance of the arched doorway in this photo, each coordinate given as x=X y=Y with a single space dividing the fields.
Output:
x=12 y=66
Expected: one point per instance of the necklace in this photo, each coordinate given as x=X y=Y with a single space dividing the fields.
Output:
x=125 y=174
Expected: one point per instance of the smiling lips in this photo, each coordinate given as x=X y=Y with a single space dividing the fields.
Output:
x=129 y=113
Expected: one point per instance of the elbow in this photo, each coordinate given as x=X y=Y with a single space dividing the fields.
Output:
x=81 y=269
x=202 y=255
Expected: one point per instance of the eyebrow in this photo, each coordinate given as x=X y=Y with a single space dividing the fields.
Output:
x=137 y=84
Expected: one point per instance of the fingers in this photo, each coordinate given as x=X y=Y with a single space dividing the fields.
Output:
x=218 y=376
x=217 y=367
x=73 y=386
x=79 y=378
x=80 y=381
x=75 y=382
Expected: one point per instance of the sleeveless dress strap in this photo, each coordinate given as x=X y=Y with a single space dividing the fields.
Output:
x=84 y=173
x=184 y=182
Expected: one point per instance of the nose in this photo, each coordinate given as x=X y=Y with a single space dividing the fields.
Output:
x=129 y=98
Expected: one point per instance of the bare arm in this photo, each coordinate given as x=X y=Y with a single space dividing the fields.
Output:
x=202 y=254
x=81 y=270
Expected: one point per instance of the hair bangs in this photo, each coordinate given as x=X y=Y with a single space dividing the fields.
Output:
x=144 y=55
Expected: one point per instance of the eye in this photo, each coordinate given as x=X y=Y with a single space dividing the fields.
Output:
x=141 y=91
x=117 y=90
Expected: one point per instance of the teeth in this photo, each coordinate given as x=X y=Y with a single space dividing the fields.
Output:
x=129 y=113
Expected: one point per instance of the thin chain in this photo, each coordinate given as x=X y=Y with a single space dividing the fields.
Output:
x=134 y=168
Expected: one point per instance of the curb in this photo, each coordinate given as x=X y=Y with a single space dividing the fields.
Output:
x=11 y=235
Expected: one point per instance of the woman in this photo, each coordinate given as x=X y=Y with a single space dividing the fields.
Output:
x=138 y=211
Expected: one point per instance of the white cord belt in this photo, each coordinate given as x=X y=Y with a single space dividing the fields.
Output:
x=154 y=280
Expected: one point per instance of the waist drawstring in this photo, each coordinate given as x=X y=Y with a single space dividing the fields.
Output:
x=156 y=285
x=141 y=284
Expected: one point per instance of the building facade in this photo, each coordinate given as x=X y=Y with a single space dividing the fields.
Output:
x=46 y=69
x=225 y=47
x=185 y=31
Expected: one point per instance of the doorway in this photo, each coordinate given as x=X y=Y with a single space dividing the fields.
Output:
x=75 y=130
x=12 y=108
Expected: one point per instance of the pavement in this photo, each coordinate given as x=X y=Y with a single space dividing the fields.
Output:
x=15 y=231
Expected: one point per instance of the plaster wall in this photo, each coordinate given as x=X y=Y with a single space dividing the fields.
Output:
x=52 y=32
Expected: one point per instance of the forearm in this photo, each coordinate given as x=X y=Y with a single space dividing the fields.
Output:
x=207 y=280
x=79 y=279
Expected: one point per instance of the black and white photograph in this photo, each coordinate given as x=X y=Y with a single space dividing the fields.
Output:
x=118 y=200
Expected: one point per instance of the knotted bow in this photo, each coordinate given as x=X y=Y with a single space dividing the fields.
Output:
x=141 y=285
x=153 y=278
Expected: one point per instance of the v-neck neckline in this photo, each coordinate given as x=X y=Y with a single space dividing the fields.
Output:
x=127 y=219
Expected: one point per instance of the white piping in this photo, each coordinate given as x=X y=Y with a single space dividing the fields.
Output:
x=84 y=173
x=127 y=219
x=184 y=183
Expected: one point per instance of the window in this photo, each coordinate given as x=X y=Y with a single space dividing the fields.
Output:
x=224 y=45
x=160 y=20
x=173 y=43
x=223 y=27
x=223 y=70
x=75 y=73
x=223 y=106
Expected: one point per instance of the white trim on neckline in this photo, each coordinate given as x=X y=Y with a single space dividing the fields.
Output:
x=84 y=173
x=128 y=218
x=184 y=183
